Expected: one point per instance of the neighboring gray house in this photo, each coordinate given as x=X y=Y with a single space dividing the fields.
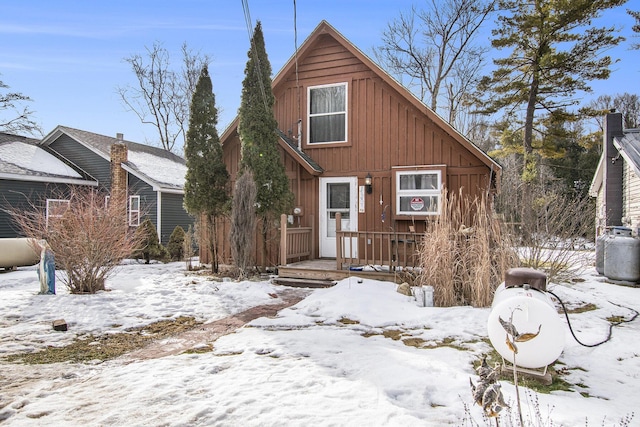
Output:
x=153 y=177
x=31 y=174
x=616 y=183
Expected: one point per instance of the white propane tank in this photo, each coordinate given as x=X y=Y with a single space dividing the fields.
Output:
x=18 y=252
x=528 y=307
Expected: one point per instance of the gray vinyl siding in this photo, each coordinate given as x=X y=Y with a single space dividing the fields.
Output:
x=92 y=163
x=148 y=198
x=24 y=195
x=173 y=214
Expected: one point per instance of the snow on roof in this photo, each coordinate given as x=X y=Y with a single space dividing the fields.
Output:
x=19 y=157
x=154 y=165
x=159 y=169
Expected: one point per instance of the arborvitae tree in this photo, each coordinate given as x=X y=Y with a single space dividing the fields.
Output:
x=176 y=243
x=150 y=247
x=243 y=223
x=206 y=189
x=257 y=130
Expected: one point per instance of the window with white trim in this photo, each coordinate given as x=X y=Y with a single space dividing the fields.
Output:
x=418 y=192
x=327 y=106
x=56 y=208
x=134 y=211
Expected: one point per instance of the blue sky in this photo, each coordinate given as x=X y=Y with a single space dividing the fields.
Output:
x=68 y=55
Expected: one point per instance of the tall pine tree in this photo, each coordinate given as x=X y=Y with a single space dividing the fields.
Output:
x=257 y=130
x=206 y=189
x=554 y=53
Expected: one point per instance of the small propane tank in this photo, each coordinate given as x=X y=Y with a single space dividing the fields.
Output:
x=522 y=300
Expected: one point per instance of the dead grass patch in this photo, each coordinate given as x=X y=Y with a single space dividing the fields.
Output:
x=347 y=321
x=417 y=342
x=394 y=334
x=580 y=309
x=108 y=346
x=557 y=371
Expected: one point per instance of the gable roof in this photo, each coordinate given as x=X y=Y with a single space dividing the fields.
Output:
x=9 y=137
x=22 y=160
x=160 y=168
x=324 y=28
x=628 y=145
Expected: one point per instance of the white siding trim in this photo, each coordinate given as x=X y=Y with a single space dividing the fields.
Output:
x=159 y=215
x=631 y=198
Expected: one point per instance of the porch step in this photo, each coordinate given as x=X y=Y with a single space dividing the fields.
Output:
x=303 y=283
x=323 y=274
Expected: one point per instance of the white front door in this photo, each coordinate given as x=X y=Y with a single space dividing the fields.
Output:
x=337 y=195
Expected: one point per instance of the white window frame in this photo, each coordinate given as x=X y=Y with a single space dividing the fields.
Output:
x=334 y=113
x=423 y=194
x=134 y=221
x=50 y=209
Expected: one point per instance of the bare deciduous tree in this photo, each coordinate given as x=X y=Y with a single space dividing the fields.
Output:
x=162 y=94
x=434 y=48
x=15 y=118
x=88 y=240
x=626 y=103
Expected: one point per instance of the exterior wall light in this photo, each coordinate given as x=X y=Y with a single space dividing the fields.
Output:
x=367 y=183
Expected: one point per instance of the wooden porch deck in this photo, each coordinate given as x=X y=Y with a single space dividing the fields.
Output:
x=324 y=273
x=390 y=252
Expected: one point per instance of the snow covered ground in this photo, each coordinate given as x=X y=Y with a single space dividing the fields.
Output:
x=322 y=362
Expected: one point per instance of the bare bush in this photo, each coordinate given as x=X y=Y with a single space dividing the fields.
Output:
x=465 y=253
x=88 y=239
x=559 y=228
x=243 y=223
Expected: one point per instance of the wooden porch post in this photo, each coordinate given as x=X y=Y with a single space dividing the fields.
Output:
x=313 y=237
x=283 y=239
x=338 y=241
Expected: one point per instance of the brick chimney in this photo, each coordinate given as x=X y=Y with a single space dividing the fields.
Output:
x=613 y=169
x=118 y=155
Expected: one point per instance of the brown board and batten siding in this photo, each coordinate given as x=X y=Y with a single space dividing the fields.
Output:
x=387 y=128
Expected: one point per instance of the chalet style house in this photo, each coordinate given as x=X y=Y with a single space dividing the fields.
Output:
x=40 y=171
x=367 y=161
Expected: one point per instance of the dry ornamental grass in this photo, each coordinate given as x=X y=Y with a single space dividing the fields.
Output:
x=465 y=253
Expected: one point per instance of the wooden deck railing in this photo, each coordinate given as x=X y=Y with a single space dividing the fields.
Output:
x=384 y=250
x=296 y=242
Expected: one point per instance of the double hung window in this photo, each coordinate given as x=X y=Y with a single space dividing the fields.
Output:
x=327 y=108
x=134 y=211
